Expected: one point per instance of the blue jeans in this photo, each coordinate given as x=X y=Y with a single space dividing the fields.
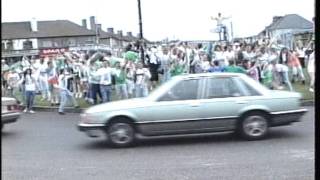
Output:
x=44 y=88
x=166 y=76
x=23 y=94
x=141 y=90
x=285 y=76
x=122 y=91
x=106 y=91
x=30 y=99
x=64 y=97
x=94 y=90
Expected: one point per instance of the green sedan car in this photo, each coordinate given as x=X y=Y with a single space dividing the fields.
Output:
x=195 y=104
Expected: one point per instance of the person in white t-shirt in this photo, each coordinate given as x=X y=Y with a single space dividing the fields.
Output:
x=283 y=70
x=165 y=65
x=65 y=94
x=43 y=80
x=142 y=77
x=29 y=82
x=13 y=84
x=218 y=54
x=229 y=55
x=105 y=73
x=130 y=71
x=248 y=53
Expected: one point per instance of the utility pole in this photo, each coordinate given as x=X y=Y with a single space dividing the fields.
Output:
x=231 y=30
x=141 y=34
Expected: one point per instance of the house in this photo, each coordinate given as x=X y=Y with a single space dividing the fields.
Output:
x=283 y=28
x=114 y=41
x=42 y=37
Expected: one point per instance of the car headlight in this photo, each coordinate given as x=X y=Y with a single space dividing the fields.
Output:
x=87 y=118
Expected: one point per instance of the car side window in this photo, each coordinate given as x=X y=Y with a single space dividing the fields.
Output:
x=222 y=87
x=184 y=90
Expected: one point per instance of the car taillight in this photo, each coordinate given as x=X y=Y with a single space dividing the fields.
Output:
x=14 y=108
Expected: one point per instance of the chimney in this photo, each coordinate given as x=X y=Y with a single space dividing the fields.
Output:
x=99 y=28
x=110 y=30
x=138 y=35
x=129 y=34
x=84 y=23
x=92 y=23
x=34 y=25
x=120 y=32
x=276 y=18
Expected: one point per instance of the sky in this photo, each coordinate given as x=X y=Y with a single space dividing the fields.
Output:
x=173 y=19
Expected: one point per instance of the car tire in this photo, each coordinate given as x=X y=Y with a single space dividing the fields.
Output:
x=121 y=134
x=254 y=126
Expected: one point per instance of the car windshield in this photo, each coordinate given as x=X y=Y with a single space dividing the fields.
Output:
x=256 y=85
x=163 y=88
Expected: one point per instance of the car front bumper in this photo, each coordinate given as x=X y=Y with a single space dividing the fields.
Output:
x=287 y=117
x=92 y=130
x=10 y=117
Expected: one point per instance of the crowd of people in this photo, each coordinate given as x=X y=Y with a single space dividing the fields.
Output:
x=91 y=74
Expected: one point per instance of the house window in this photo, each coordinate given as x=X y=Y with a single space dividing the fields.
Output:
x=47 y=44
x=27 y=44
x=55 y=44
x=10 y=45
x=3 y=46
x=72 y=42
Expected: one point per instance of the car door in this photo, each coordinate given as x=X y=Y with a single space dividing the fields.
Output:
x=175 y=111
x=222 y=101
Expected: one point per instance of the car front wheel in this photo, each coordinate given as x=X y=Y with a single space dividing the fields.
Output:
x=121 y=134
x=254 y=126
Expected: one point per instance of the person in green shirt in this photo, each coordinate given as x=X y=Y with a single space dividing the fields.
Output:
x=178 y=66
x=232 y=68
x=120 y=79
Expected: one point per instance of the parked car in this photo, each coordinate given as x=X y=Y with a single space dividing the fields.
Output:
x=10 y=111
x=193 y=104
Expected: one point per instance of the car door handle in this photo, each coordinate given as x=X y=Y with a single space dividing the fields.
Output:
x=195 y=104
x=241 y=102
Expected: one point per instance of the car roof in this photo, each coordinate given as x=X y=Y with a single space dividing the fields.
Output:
x=211 y=75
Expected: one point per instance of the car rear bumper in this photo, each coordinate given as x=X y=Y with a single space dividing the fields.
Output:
x=92 y=130
x=287 y=117
x=10 y=117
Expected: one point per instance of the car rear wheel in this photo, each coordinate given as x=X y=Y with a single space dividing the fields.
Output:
x=254 y=126
x=121 y=134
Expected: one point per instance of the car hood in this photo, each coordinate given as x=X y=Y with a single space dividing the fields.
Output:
x=118 y=105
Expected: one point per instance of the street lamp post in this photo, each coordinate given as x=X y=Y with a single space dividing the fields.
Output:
x=141 y=34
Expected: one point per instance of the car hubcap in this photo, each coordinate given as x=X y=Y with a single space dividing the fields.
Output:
x=121 y=133
x=255 y=126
